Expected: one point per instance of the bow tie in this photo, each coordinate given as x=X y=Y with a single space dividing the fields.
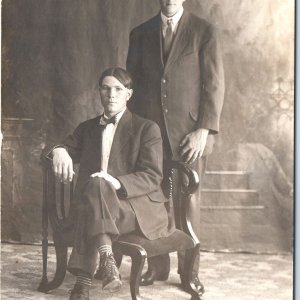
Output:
x=104 y=121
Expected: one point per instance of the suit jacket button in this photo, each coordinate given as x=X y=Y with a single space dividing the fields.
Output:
x=163 y=80
x=165 y=110
x=165 y=95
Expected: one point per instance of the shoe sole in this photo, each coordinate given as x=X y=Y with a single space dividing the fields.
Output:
x=113 y=286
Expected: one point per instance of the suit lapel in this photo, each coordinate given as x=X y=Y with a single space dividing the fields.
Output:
x=96 y=136
x=180 y=41
x=122 y=136
x=154 y=40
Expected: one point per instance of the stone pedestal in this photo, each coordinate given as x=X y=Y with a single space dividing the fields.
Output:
x=12 y=175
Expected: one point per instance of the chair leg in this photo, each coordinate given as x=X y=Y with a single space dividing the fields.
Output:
x=190 y=256
x=138 y=256
x=138 y=261
x=44 y=280
x=61 y=251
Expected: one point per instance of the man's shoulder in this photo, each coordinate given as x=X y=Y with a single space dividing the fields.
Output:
x=143 y=123
x=90 y=122
x=196 y=21
x=141 y=120
x=147 y=25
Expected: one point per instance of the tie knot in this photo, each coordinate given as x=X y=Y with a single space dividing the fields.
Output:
x=169 y=22
x=105 y=121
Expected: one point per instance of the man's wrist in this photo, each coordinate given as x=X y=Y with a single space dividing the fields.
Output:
x=56 y=149
x=121 y=192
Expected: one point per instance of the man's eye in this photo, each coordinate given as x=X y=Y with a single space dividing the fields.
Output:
x=118 y=89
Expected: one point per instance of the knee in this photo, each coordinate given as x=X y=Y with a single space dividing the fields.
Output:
x=95 y=182
x=92 y=186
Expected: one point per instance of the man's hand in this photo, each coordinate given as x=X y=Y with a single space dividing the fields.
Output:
x=193 y=144
x=62 y=164
x=115 y=182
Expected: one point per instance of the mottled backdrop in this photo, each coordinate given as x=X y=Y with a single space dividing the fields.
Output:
x=52 y=54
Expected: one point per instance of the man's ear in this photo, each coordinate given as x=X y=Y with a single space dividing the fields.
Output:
x=129 y=93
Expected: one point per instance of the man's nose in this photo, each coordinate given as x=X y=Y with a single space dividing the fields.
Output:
x=112 y=92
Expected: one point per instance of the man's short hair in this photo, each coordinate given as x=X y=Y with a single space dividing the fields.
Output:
x=122 y=75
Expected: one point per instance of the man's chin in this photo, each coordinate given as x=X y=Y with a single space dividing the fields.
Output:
x=170 y=12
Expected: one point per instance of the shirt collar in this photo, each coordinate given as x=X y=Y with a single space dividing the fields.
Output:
x=175 y=18
x=118 y=116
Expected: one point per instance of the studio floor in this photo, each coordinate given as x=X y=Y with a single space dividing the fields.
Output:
x=226 y=276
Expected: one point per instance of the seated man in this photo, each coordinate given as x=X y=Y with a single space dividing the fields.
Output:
x=118 y=186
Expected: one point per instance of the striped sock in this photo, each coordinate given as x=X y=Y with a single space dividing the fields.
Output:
x=105 y=249
x=83 y=279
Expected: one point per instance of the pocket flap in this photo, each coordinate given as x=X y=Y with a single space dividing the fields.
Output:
x=157 y=196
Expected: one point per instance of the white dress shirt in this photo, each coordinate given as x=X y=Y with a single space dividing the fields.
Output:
x=107 y=140
x=175 y=20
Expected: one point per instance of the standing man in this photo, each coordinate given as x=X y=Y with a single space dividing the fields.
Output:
x=176 y=64
x=118 y=186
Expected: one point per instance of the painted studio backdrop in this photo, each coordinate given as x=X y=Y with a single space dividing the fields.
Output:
x=52 y=55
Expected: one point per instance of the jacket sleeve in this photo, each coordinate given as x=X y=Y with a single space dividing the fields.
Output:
x=212 y=82
x=148 y=169
x=72 y=144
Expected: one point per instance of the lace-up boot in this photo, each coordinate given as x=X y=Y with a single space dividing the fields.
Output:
x=111 y=276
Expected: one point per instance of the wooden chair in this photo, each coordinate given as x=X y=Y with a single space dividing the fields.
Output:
x=58 y=208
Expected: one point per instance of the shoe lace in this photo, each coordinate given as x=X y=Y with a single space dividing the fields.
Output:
x=196 y=279
x=79 y=290
x=197 y=282
x=109 y=263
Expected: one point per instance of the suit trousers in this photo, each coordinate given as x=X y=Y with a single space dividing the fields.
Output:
x=162 y=263
x=99 y=211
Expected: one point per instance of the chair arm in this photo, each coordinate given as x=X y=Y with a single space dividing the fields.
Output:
x=188 y=187
x=185 y=169
x=57 y=202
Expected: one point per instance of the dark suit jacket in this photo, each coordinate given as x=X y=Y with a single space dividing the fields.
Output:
x=135 y=160
x=187 y=92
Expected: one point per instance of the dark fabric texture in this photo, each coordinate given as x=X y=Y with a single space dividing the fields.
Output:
x=101 y=212
x=188 y=91
x=182 y=94
x=135 y=160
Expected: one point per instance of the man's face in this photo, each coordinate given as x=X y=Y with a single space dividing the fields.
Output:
x=114 y=95
x=170 y=7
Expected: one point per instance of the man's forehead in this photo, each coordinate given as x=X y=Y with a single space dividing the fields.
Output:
x=112 y=82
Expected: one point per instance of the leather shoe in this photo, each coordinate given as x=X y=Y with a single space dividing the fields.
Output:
x=195 y=281
x=79 y=292
x=111 y=276
x=150 y=276
x=99 y=275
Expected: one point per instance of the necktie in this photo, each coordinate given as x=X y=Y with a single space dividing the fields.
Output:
x=104 y=121
x=168 y=39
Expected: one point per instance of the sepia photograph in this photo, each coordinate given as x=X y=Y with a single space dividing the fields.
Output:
x=148 y=149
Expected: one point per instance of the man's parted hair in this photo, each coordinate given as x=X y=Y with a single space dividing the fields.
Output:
x=122 y=75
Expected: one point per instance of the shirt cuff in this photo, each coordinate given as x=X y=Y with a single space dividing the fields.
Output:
x=121 y=192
